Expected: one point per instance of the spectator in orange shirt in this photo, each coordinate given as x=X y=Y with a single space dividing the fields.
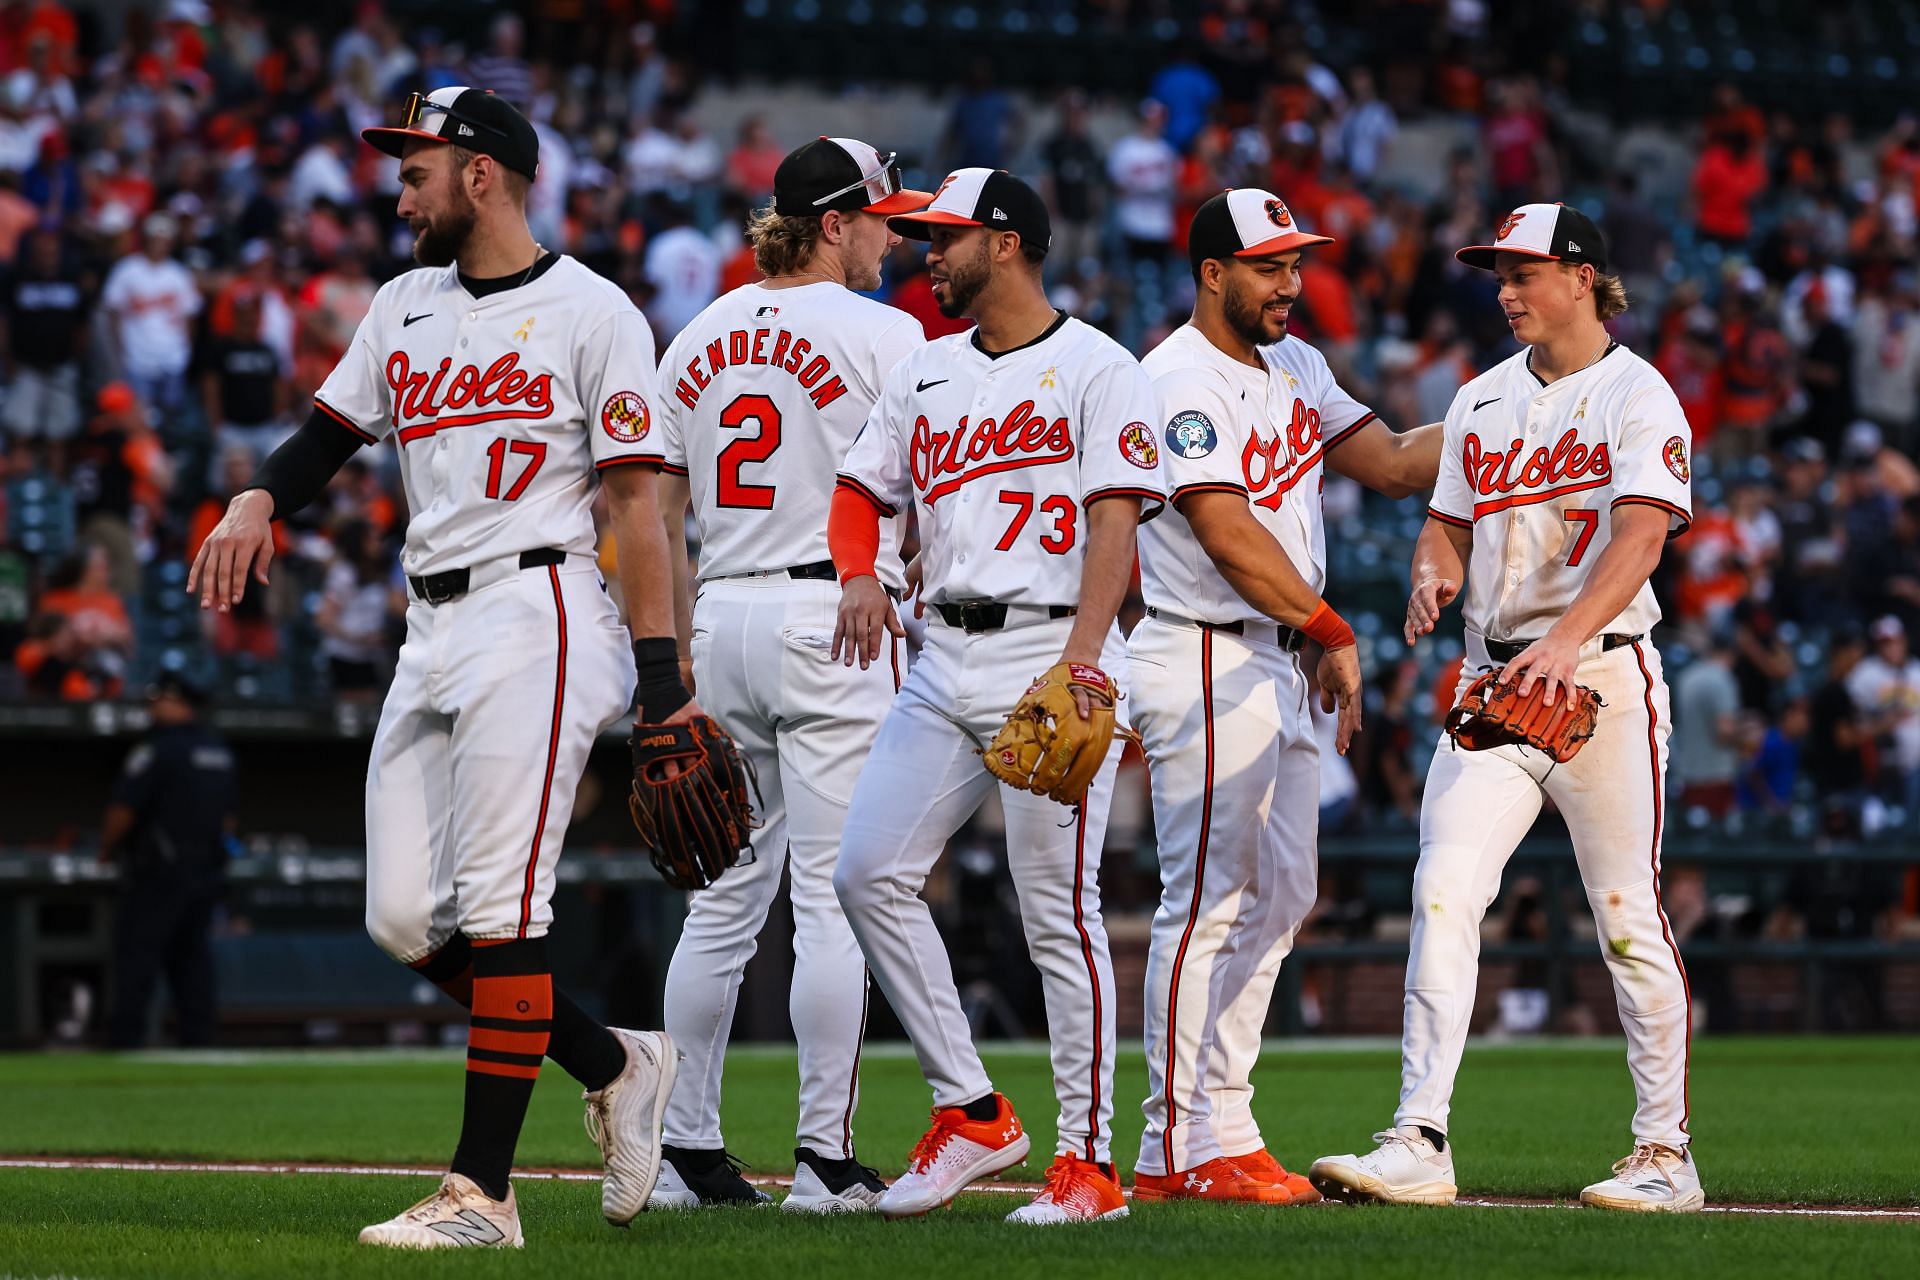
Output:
x=1730 y=173
x=1690 y=362
x=121 y=476
x=752 y=161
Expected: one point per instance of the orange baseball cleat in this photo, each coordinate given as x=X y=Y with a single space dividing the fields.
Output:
x=1218 y=1179
x=954 y=1152
x=1261 y=1166
x=1077 y=1191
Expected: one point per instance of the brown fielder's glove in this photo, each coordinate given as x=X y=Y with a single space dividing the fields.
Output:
x=1045 y=747
x=696 y=823
x=1492 y=714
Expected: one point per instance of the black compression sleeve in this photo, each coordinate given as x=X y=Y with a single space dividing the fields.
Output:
x=298 y=470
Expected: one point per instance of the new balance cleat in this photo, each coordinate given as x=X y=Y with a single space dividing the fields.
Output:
x=458 y=1215
x=1654 y=1179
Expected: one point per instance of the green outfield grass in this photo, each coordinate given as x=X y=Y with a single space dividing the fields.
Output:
x=1775 y=1121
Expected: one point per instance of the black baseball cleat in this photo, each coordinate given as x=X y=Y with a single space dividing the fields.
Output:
x=691 y=1177
x=821 y=1185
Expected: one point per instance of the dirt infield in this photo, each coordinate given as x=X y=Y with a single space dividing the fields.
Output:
x=1903 y=1213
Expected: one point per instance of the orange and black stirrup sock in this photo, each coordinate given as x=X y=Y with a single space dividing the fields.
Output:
x=506 y=1040
x=580 y=1046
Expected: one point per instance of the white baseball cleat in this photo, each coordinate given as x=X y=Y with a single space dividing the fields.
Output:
x=954 y=1152
x=623 y=1120
x=458 y=1215
x=1654 y=1179
x=821 y=1185
x=1404 y=1169
x=1077 y=1191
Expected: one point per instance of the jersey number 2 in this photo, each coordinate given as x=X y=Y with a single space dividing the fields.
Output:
x=534 y=451
x=1588 y=519
x=733 y=491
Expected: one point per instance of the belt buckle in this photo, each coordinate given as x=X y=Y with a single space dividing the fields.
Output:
x=437 y=590
x=973 y=619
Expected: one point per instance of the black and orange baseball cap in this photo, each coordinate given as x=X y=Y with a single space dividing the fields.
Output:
x=841 y=173
x=476 y=119
x=991 y=198
x=1555 y=232
x=1246 y=222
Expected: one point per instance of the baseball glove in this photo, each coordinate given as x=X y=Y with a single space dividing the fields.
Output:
x=696 y=823
x=1045 y=747
x=1492 y=714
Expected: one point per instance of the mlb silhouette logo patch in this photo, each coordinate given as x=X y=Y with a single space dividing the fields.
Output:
x=625 y=416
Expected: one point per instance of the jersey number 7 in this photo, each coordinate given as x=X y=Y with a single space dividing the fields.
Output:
x=732 y=490
x=1588 y=519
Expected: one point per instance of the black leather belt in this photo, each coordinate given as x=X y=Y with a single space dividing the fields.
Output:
x=974 y=618
x=1507 y=650
x=819 y=569
x=438 y=588
x=1291 y=639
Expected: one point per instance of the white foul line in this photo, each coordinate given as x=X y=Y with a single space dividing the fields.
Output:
x=781 y=1182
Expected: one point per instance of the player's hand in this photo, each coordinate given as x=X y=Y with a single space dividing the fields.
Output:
x=914 y=584
x=1550 y=659
x=1339 y=678
x=1425 y=604
x=866 y=615
x=686 y=675
x=241 y=543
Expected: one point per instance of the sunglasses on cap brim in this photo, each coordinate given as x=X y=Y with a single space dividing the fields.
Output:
x=880 y=183
x=418 y=105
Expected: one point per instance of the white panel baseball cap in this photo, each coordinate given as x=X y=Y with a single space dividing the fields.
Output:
x=1557 y=232
x=1246 y=223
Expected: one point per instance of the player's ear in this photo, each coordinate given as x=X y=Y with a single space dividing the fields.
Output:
x=833 y=227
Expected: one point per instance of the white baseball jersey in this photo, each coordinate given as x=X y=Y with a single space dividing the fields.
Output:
x=1534 y=469
x=502 y=407
x=1261 y=433
x=761 y=395
x=1002 y=453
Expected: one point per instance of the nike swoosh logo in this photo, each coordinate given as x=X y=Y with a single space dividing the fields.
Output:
x=922 y=386
x=410 y=319
x=1483 y=404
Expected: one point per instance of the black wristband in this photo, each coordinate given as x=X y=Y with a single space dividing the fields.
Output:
x=659 y=689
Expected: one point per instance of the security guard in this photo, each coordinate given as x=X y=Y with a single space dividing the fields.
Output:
x=167 y=827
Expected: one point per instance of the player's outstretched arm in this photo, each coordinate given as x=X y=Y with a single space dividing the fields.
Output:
x=646 y=580
x=1396 y=463
x=1439 y=570
x=1636 y=535
x=1112 y=526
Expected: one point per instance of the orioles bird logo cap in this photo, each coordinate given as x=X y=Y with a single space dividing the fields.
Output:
x=1553 y=232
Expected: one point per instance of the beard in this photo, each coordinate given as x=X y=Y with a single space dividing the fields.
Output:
x=964 y=283
x=1249 y=320
x=439 y=243
x=863 y=277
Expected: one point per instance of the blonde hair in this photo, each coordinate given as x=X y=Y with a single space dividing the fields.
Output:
x=1609 y=296
x=782 y=244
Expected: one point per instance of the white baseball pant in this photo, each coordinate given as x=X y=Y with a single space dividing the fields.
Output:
x=1478 y=806
x=762 y=670
x=922 y=780
x=1235 y=771
x=495 y=703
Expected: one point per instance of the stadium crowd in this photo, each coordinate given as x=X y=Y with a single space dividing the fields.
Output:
x=190 y=231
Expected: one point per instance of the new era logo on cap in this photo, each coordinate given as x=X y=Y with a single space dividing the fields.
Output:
x=1557 y=232
x=977 y=198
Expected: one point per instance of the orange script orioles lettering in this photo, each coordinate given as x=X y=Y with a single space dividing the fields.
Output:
x=1021 y=438
x=1260 y=461
x=426 y=398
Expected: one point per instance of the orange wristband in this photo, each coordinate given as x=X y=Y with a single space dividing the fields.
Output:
x=1328 y=629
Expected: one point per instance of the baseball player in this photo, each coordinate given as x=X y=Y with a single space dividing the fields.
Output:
x=1563 y=472
x=510 y=379
x=1024 y=448
x=1232 y=580
x=760 y=396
